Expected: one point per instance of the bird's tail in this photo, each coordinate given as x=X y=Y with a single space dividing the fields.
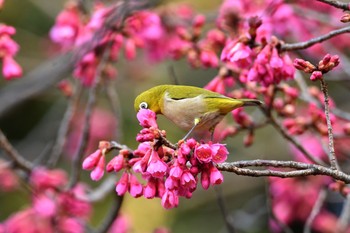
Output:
x=252 y=102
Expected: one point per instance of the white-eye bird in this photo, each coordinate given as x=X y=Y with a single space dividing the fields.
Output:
x=190 y=108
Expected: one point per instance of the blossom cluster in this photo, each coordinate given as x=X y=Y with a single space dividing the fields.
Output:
x=8 y=49
x=169 y=172
x=52 y=209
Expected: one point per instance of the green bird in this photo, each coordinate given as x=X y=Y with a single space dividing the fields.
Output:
x=191 y=108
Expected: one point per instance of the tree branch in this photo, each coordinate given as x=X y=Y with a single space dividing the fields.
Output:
x=63 y=129
x=315 y=210
x=331 y=154
x=313 y=41
x=19 y=160
x=343 y=220
x=292 y=140
x=303 y=169
x=111 y=216
x=337 y=4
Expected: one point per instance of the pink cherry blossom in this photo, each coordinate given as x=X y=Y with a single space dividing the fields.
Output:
x=149 y=191
x=44 y=205
x=219 y=153
x=215 y=176
x=170 y=199
x=237 y=55
x=10 y=68
x=70 y=225
x=123 y=184
x=147 y=118
x=42 y=178
x=97 y=173
x=135 y=189
x=156 y=167
x=116 y=164
x=203 y=153
x=96 y=163
x=316 y=75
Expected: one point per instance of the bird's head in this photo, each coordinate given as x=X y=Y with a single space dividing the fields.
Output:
x=150 y=99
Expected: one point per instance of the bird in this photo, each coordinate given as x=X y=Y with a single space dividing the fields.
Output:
x=191 y=108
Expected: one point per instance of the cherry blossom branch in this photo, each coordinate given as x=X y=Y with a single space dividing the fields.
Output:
x=285 y=134
x=36 y=81
x=313 y=41
x=292 y=140
x=111 y=216
x=315 y=210
x=303 y=169
x=100 y=192
x=114 y=102
x=227 y=218
x=343 y=220
x=51 y=72
x=63 y=129
x=87 y=117
x=19 y=160
x=271 y=214
x=308 y=98
x=337 y=4
x=331 y=154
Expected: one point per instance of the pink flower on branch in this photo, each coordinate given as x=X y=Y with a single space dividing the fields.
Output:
x=169 y=171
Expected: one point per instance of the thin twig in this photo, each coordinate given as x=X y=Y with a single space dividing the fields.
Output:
x=313 y=41
x=18 y=159
x=86 y=121
x=111 y=216
x=100 y=192
x=331 y=154
x=114 y=102
x=303 y=169
x=221 y=202
x=305 y=95
x=337 y=4
x=285 y=228
x=292 y=140
x=343 y=220
x=315 y=210
x=63 y=129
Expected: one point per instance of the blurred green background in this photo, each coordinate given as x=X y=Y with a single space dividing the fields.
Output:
x=32 y=126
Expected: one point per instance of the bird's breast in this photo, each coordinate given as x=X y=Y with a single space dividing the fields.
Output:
x=183 y=112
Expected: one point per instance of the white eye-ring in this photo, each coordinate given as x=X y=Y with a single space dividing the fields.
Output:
x=143 y=105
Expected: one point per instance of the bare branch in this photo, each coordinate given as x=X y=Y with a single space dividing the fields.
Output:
x=63 y=129
x=343 y=221
x=331 y=154
x=292 y=140
x=221 y=202
x=87 y=117
x=105 y=188
x=337 y=4
x=315 y=210
x=111 y=216
x=19 y=160
x=303 y=169
x=313 y=41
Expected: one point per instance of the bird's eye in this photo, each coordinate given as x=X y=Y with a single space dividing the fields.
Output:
x=143 y=105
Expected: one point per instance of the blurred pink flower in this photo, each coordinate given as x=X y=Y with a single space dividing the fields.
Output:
x=10 y=68
x=237 y=55
x=8 y=178
x=44 y=205
x=42 y=178
x=120 y=225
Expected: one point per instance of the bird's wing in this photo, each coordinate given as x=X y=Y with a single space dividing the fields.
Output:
x=179 y=92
